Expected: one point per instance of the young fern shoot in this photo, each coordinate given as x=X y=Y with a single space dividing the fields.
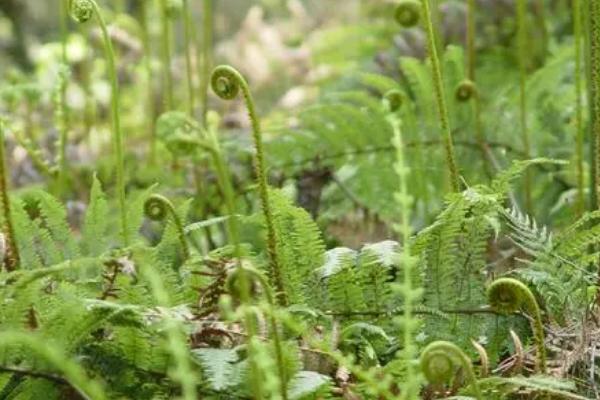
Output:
x=438 y=84
x=227 y=83
x=158 y=208
x=439 y=362
x=507 y=296
x=411 y=295
x=82 y=11
x=11 y=253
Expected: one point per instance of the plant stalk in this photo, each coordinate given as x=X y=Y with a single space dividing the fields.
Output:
x=441 y=98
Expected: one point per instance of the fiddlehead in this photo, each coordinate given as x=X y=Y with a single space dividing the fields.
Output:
x=408 y=13
x=394 y=99
x=11 y=254
x=227 y=83
x=159 y=208
x=507 y=296
x=82 y=11
x=440 y=360
x=465 y=91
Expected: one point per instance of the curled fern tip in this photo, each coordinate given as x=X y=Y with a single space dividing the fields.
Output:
x=393 y=99
x=440 y=360
x=156 y=207
x=465 y=91
x=82 y=10
x=225 y=82
x=408 y=13
x=506 y=295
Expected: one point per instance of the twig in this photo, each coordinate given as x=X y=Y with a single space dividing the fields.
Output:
x=427 y=143
x=420 y=312
x=34 y=374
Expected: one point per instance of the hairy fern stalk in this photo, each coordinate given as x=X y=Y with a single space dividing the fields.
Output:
x=281 y=230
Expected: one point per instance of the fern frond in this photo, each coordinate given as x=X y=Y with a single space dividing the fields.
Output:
x=301 y=248
x=94 y=232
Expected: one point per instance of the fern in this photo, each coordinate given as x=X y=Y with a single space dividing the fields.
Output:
x=300 y=245
x=219 y=367
x=95 y=227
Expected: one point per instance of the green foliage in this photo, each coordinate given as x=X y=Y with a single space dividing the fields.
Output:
x=338 y=265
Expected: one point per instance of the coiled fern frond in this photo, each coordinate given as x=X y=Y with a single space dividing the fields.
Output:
x=158 y=208
x=439 y=363
x=227 y=83
x=507 y=296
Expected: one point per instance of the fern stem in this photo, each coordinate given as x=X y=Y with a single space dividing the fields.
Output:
x=11 y=258
x=82 y=11
x=594 y=44
x=411 y=384
x=225 y=185
x=579 y=132
x=274 y=329
x=523 y=57
x=441 y=97
x=472 y=76
x=471 y=9
x=116 y=122
x=64 y=28
x=191 y=103
x=64 y=107
x=207 y=55
x=166 y=54
x=150 y=125
x=227 y=83
x=62 y=128
x=540 y=16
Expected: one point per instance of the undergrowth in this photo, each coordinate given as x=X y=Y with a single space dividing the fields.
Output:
x=420 y=229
